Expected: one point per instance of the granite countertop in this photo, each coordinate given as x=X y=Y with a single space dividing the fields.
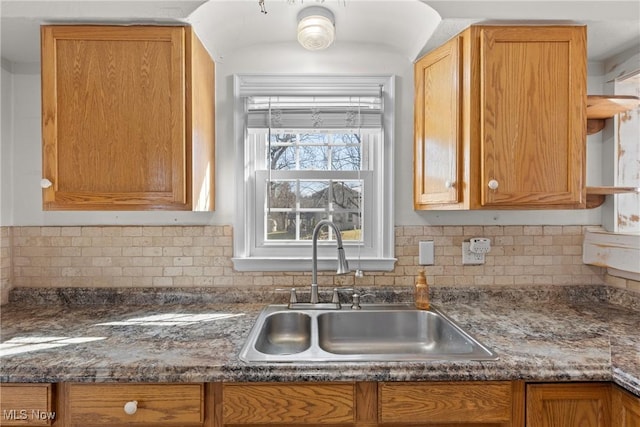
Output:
x=588 y=333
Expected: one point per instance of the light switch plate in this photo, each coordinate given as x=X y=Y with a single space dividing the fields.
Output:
x=425 y=253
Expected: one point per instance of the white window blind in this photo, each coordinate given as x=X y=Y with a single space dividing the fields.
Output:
x=314 y=112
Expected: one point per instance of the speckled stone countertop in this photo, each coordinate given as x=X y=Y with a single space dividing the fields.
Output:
x=577 y=333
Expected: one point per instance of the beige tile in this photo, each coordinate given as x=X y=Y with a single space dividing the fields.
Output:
x=201 y=256
x=91 y=232
x=532 y=230
x=132 y=231
x=473 y=230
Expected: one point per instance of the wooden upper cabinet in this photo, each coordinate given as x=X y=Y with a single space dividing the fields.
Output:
x=437 y=128
x=521 y=120
x=533 y=115
x=127 y=118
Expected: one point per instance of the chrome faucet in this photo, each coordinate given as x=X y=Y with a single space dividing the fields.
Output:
x=343 y=265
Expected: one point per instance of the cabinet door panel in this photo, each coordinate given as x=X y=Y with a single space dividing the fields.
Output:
x=532 y=108
x=563 y=405
x=288 y=403
x=625 y=408
x=437 y=126
x=114 y=116
x=426 y=403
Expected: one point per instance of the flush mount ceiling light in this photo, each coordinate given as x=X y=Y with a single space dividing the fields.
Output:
x=316 y=28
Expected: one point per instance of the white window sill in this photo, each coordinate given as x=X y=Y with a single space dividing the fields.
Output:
x=617 y=252
x=304 y=264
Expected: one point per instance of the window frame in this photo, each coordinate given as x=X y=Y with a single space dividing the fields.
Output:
x=249 y=254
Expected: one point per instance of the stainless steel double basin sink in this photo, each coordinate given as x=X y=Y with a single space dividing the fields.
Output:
x=376 y=332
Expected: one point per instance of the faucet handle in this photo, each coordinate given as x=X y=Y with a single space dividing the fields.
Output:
x=293 y=298
x=335 y=299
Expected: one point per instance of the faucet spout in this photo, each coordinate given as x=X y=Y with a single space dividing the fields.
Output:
x=343 y=265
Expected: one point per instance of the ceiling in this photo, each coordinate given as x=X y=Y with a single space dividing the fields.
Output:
x=410 y=27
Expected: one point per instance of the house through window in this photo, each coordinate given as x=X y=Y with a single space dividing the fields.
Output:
x=314 y=176
x=310 y=157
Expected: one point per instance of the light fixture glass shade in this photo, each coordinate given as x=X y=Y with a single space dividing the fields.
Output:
x=316 y=30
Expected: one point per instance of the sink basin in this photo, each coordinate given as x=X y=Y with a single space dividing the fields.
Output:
x=377 y=332
x=415 y=332
x=284 y=332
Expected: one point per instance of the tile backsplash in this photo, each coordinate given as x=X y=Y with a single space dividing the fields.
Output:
x=5 y=263
x=200 y=256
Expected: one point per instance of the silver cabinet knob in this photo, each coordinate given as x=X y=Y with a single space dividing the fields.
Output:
x=493 y=184
x=45 y=183
x=449 y=184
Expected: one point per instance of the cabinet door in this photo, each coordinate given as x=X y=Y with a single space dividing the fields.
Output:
x=437 y=124
x=113 y=105
x=533 y=115
x=625 y=408
x=568 y=405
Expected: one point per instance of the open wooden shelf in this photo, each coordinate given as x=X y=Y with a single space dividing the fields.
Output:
x=605 y=106
x=596 y=195
x=602 y=107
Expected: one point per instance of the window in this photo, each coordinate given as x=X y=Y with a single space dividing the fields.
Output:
x=313 y=148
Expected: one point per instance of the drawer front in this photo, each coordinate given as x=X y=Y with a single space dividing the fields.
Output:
x=446 y=402
x=157 y=404
x=288 y=404
x=26 y=405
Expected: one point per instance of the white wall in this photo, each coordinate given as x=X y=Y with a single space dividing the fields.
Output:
x=274 y=58
x=6 y=124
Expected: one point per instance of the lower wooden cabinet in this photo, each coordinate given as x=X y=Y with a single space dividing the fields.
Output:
x=335 y=404
x=26 y=405
x=372 y=404
x=497 y=403
x=581 y=405
x=285 y=404
x=625 y=408
x=87 y=405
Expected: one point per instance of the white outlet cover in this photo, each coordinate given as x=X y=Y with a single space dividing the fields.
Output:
x=470 y=258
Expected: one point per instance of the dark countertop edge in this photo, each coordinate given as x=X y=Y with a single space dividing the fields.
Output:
x=625 y=381
x=438 y=371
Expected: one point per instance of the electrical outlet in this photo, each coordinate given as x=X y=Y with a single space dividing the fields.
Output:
x=479 y=245
x=470 y=258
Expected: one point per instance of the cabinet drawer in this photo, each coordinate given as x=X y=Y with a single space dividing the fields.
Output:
x=26 y=405
x=446 y=402
x=157 y=404
x=288 y=404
